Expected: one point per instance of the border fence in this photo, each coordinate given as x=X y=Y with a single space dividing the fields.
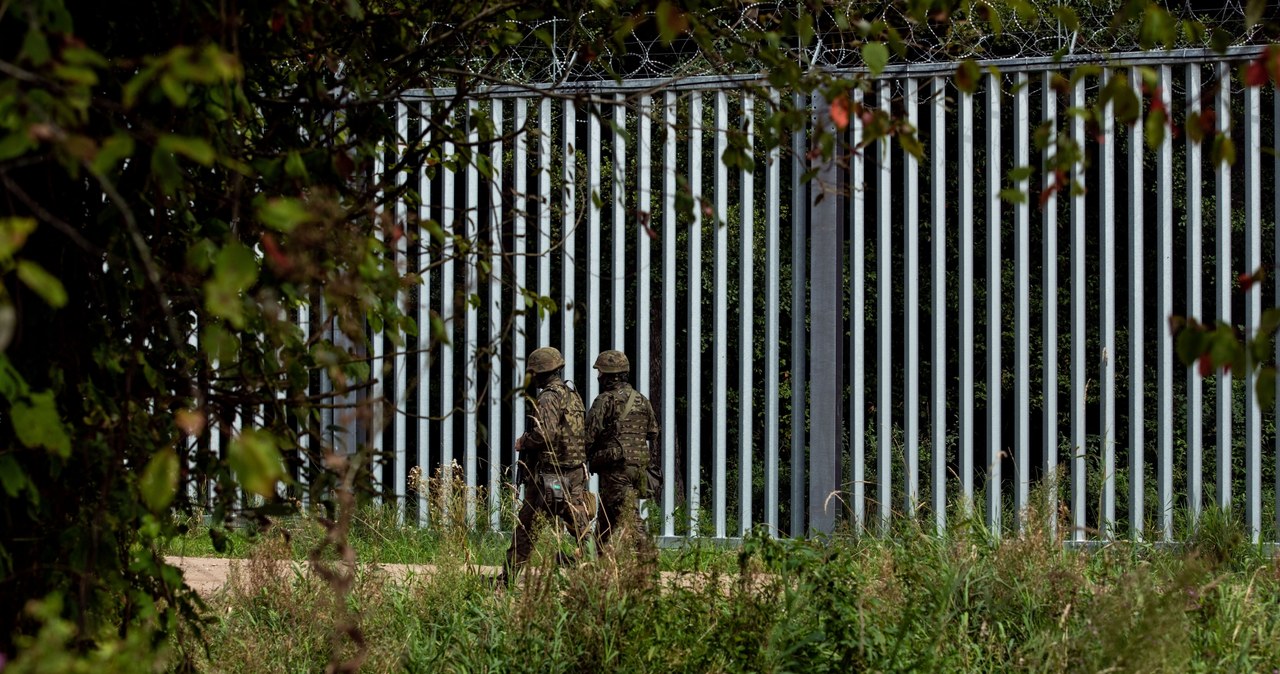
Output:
x=888 y=335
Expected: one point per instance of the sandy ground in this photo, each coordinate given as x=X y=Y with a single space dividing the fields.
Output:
x=208 y=575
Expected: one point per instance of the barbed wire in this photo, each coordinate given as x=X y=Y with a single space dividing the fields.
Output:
x=568 y=55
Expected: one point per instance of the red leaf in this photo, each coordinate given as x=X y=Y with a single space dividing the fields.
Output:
x=277 y=22
x=840 y=112
x=1206 y=365
x=277 y=257
x=1255 y=73
x=1246 y=281
x=1208 y=119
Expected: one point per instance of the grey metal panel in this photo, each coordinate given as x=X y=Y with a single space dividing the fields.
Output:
x=938 y=262
x=720 y=328
x=372 y=431
x=694 y=414
x=965 y=196
x=1078 y=380
x=422 y=315
x=911 y=308
x=1049 y=218
x=746 y=316
x=470 y=342
x=938 y=69
x=857 y=316
x=884 y=317
x=773 y=277
x=799 y=276
x=1195 y=307
x=1164 y=339
x=995 y=173
x=619 y=270
x=1022 y=326
x=669 y=315
x=1107 y=220
x=1252 y=306
x=1222 y=210
x=1137 y=393
x=827 y=331
x=494 y=395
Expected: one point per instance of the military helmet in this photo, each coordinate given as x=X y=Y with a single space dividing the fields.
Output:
x=545 y=359
x=609 y=362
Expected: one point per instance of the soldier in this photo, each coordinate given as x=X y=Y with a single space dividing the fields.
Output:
x=620 y=426
x=552 y=459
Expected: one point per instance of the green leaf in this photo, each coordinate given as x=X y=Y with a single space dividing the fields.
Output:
x=38 y=424
x=11 y=476
x=195 y=149
x=256 y=461
x=46 y=285
x=283 y=214
x=35 y=47
x=294 y=167
x=1189 y=345
x=1266 y=387
x=13 y=234
x=1020 y=173
x=1253 y=10
x=1124 y=103
x=1195 y=133
x=159 y=481
x=15 y=144
x=876 y=56
x=1066 y=16
x=1224 y=150
x=1154 y=129
x=967 y=75
x=114 y=150
x=1013 y=196
x=234 y=270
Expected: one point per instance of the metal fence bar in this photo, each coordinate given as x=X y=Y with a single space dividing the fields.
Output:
x=773 y=276
x=746 y=315
x=544 y=222
x=965 y=111
x=378 y=369
x=884 y=318
x=494 y=395
x=619 y=224
x=1107 y=288
x=1222 y=209
x=720 y=326
x=911 y=230
x=1195 y=307
x=401 y=369
x=1137 y=364
x=1078 y=380
x=519 y=263
x=448 y=276
x=938 y=285
x=1252 y=307
x=422 y=316
x=1164 y=338
x=470 y=341
x=568 y=237
x=857 y=316
x=1049 y=221
x=1022 y=304
x=669 y=315
x=644 y=272
x=995 y=280
x=595 y=250
x=799 y=274
x=695 y=314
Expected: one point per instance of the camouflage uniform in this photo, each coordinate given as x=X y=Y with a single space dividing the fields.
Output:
x=552 y=464
x=620 y=426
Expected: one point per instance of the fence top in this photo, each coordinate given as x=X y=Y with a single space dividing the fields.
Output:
x=713 y=82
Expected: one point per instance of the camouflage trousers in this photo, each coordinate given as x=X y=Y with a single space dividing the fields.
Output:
x=620 y=492
x=569 y=506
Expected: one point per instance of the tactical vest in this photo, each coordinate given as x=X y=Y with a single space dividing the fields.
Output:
x=568 y=449
x=631 y=433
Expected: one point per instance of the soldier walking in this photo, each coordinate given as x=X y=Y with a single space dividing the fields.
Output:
x=620 y=426
x=552 y=460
